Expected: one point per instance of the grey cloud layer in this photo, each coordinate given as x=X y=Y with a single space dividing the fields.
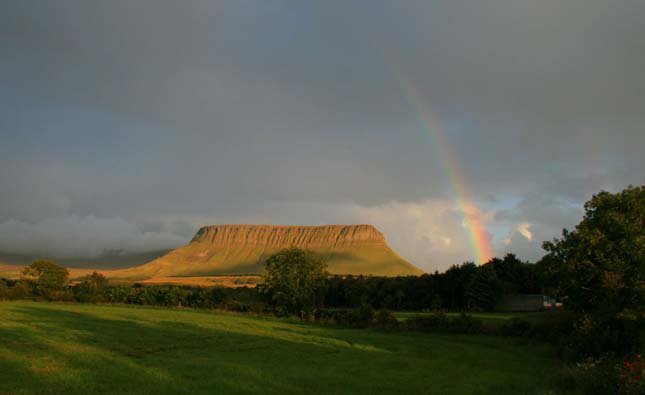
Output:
x=200 y=109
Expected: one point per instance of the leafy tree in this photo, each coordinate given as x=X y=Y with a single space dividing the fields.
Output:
x=600 y=268
x=49 y=276
x=293 y=280
x=515 y=276
x=600 y=265
x=96 y=280
x=92 y=288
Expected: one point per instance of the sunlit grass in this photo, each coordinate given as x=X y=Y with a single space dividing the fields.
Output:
x=73 y=348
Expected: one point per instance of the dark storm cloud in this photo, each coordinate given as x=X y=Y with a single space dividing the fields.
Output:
x=168 y=113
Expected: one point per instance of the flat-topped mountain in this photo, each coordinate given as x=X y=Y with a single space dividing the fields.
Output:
x=242 y=249
x=332 y=236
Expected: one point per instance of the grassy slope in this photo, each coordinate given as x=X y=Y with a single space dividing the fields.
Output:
x=190 y=261
x=58 y=348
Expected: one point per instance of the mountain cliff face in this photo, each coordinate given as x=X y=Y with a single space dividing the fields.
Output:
x=330 y=236
x=242 y=249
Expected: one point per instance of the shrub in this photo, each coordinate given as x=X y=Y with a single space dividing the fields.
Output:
x=365 y=313
x=91 y=289
x=600 y=376
x=554 y=328
x=438 y=321
x=4 y=290
x=631 y=374
x=431 y=322
x=588 y=336
x=385 y=319
x=119 y=294
x=353 y=318
x=237 y=306
x=588 y=377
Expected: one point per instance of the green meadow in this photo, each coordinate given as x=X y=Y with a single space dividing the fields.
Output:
x=56 y=348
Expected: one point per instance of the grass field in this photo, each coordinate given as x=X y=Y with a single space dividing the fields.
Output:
x=51 y=348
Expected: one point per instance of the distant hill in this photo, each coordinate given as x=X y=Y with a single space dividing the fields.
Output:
x=242 y=249
x=114 y=260
x=10 y=271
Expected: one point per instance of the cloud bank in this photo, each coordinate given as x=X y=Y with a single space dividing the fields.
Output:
x=150 y=119
x=75 y=236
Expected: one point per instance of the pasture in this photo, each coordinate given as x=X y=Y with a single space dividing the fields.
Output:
x=55 y=348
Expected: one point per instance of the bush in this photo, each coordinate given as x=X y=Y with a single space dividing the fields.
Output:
x=92 y=289
x=22 y=289
x=592 y=376
x=385 y=319
x=588 y=377
x=237 y=306
x=439 y=321
x=364 y=314
x=342 y=317
x=4 y=290
x=555 y=327
x=594 y=337
x=579 y=336
x=631 y=375
x=353 y=318
x=431 y=322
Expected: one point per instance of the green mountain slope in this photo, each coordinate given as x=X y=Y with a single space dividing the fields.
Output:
x=242 y=249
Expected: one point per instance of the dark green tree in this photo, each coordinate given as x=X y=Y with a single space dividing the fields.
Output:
x=92 y=289
x=293 y=280
x=456 y=280
x=600 y=265
x=484 y=290
x=48 y=276
x=515 y=275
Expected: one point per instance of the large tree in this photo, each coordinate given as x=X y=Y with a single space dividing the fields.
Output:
x=600 y=265
x=92 y=288
x=484 y=289
x=293 y=280
x=48 y=276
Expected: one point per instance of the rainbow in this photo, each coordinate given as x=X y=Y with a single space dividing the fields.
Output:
x=477 y=234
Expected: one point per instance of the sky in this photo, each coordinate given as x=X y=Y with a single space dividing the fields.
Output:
x=453 y=126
